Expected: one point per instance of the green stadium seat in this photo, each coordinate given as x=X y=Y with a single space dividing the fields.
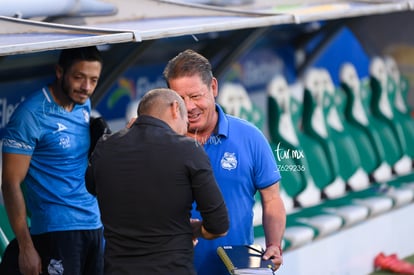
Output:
x=350 y=163
x=398 y=89
x=360 y=177
x=283 y=109
x=401 y=122
x=317 y=122
x=358 y=118
x=234 y=99
x=391 y=132
x=6 y=232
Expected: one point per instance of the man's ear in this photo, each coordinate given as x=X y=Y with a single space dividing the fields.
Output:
x=214 y=87
x=59 y=71
x=175 y=109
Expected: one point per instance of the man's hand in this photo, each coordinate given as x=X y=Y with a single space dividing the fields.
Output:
x=274 y=253
x=30 y=262
x=196 y=225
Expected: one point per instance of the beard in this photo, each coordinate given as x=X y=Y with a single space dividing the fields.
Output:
x=65 y=88
x=68 y=91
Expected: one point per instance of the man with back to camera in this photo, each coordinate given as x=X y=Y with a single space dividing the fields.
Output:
x=146 y=178
x=45 y=153
x=242 y=161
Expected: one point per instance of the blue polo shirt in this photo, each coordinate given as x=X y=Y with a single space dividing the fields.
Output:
x=58 y=143
x=243 y=163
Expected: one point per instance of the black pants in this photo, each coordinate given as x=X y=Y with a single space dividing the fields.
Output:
x=77 y=252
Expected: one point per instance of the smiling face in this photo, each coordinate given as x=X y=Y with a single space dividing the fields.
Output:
x=80 y=80
x=199 y=99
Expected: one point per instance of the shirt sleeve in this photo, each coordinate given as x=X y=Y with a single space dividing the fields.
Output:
x=207 y=195
x=21 y=133
x=266 y=171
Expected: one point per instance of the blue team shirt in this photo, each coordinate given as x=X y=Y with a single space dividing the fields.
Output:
x=243 y=163
x=58 y=143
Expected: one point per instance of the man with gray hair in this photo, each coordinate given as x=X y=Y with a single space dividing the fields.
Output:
x=146 y=178
x=242 y=161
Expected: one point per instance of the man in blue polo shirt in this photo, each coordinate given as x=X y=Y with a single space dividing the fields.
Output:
x=241 y=158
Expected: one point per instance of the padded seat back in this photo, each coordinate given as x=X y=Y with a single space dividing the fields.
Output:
x=347 y=152
x=235 y=100
x=293 y=181
x=401 y=110
x=283 y=136
x=4 y=223
x=6 y=232
x=376 y=130
x=281 y=124
x=356 y=118
x=314 y=153
x=315 y=121
x=298 y=150
x=383 y=113
x=400 y=84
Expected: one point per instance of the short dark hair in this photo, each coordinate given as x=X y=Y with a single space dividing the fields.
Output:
x=69 y=56
x=188 y=63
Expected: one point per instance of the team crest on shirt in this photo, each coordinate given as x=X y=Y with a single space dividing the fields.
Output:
x=229 y=161
x=55 y=267
x=64 y=142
